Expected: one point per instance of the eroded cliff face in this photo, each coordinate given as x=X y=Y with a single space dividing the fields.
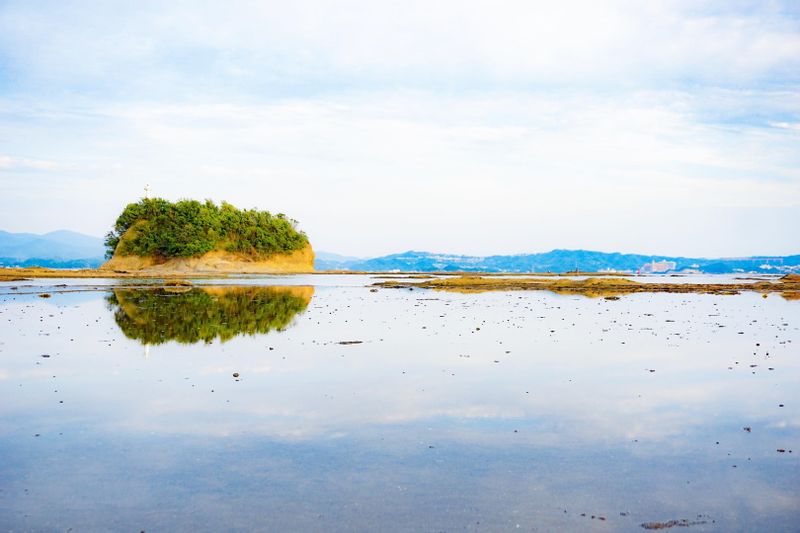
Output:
x=217 y=261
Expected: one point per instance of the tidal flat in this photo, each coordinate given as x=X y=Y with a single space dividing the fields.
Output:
x=327 y=403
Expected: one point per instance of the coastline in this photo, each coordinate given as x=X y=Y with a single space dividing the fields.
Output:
x=593 y=285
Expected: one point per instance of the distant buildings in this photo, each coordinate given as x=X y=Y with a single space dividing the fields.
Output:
x=658 y=267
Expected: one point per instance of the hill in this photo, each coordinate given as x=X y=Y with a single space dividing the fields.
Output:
x=155 y=234
x=559 y=261
x=331 y=261
x=57 y=249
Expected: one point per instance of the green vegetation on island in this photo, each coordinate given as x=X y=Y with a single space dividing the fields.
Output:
x=156 y=316
x=188 y=228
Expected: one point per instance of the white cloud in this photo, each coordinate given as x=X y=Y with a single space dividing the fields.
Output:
x=417 y=43
x=785 y=125
x=8 y=162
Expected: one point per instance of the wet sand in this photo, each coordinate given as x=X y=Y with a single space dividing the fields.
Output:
x=609 y=287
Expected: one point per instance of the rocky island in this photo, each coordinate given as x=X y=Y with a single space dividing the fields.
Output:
x=158 y=236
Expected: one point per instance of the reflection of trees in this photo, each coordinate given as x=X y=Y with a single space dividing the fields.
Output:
x=156 y=316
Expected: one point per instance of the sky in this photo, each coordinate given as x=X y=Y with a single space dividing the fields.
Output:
x=456 y=126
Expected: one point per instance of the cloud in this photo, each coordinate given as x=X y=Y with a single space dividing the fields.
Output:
x=17 y=163
x=314 y=46
x=785 y=125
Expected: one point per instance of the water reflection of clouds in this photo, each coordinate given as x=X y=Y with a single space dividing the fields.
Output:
x=585 y=387
x=312 y=411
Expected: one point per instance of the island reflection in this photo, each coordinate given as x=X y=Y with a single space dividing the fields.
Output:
x=157 y=316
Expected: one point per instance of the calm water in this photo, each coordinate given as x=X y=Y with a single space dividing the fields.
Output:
x=493 y=412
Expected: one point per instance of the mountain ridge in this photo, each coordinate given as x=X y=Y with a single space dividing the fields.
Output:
x=70 y=249
x=55 y=249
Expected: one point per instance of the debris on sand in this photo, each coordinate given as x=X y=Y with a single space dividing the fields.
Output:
x=177 y=283
x=673 y=523
x=607 y=287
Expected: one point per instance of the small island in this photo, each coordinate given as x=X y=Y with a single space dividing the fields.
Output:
x=158 y=236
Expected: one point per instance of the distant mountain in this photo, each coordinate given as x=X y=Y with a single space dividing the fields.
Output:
x=331 y=261
x=57 y=249
x=559 y=261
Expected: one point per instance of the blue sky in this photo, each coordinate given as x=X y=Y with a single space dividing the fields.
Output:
x=455 y=126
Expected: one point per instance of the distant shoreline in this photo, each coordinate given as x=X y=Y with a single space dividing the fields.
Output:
x=44 y=272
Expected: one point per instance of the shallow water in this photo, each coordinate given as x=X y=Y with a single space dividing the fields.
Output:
x=491 y=411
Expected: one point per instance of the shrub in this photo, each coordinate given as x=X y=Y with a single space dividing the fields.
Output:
x=189 y=228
